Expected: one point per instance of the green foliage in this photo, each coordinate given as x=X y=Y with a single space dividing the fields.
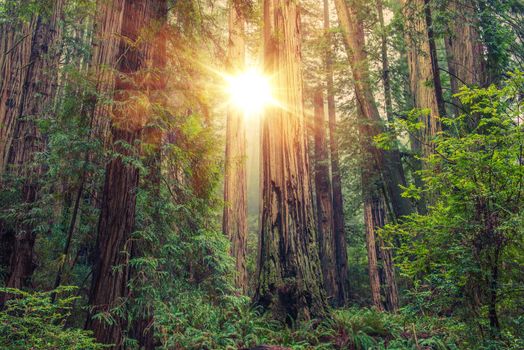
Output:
x=32 y=321
x=464 y=258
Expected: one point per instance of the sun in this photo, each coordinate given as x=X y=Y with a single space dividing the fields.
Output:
x=249 y=92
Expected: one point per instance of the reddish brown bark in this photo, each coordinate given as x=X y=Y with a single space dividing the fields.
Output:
x=388 y=163
x=424 y=72
x=373 y=214
x=324 y=208
x=105 y=46
x=135 y=80
x=16 y=45
x=380 y=259
x=385 y=61
x=235 y=182
x=36 y=86
x=464 y=48
x=289 y=274
x=336 y=181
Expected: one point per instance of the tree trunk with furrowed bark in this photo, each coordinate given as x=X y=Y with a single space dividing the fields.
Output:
x=424 y=72
x=289 y=273
x=387 y=163
x=29 y=75
x=235 y=182
x=324 y=207
x=380 y=260
x=465 y=50
x=105 y=47
x=339 y=229
x=135 y=83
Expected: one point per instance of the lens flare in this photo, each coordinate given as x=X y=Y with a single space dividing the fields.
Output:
x=249 y=92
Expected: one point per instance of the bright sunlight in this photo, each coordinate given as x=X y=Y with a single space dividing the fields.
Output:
x=249 y=91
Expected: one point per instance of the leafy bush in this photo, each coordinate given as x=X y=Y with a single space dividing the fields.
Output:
x=33 y=321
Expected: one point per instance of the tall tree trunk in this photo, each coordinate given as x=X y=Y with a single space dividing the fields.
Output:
x=324 y=208
x=17 y=41
x=235 y=181
x=373 y=218
x=105 y=44
x=389 y=279
x=36 y=88
x=386 y=163
x=380 y=260
x=464 y=48
x=133 y=85
x=289 y=274
x=336 y=181
x=386 y=80
x=105 y=47
x=424 y=73
x=143 y=327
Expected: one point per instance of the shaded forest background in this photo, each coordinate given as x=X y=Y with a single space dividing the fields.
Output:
x=378 y=204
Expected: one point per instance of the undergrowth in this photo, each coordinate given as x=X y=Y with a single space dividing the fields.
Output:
x=195 y=322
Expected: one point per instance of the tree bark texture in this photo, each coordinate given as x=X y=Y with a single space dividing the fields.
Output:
x=235 y=181
x=387 y=163
x=380 y=259
x=423 y=70
x=105 y=47
x=134 y=86
x=324 y=199
x=28 y=92
x=339 y=229
x=372 y=216
x=289 y=273
x=464 y=48
x=16 y=43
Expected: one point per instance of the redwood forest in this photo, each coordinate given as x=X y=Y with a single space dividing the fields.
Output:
x=262 y=174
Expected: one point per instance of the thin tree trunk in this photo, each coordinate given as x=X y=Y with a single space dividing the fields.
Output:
x=324 y=208
x=289 y=273
x=386 y=163
x=235 y=181
x=134 y=82
x=385 y=62
x=373 y=218
x=37 y=90
x=336 y=181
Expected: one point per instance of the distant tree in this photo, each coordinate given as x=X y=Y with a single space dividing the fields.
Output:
x=28 y=84
x=336 y=179
x=324 y=201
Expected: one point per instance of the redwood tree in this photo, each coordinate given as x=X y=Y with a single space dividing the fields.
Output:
x=235 y=182
x=424 y=74
x=387 y=163
x=289 y=274
x=336 y=180
x=134 y=81
x=324 y=207
x=29 y=74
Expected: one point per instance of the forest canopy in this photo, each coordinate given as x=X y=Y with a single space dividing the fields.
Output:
x=262 y=174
